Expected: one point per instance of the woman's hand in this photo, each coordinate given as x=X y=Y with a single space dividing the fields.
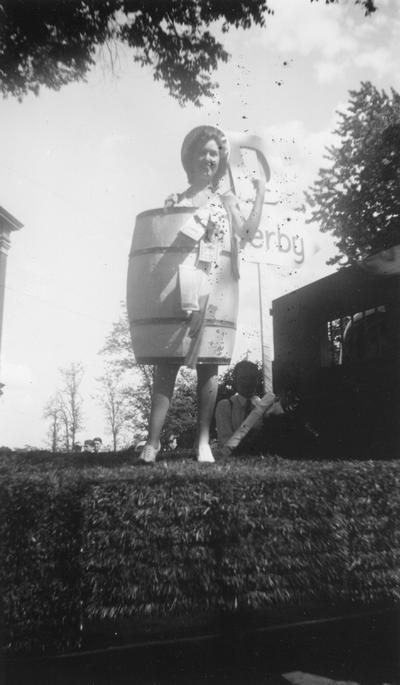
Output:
x=259 y=185
x=290 y=401
x=252 y=223
x=171 y=201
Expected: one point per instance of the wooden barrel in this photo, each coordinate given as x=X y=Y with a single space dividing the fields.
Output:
x=159 y=327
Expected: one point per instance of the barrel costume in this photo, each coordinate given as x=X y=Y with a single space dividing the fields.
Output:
x=183 y=280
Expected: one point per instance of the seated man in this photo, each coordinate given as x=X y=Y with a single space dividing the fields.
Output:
x=97 y=444
x=230 y=413
x=88 y=446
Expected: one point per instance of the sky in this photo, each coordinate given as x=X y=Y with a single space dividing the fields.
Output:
x=78 y=165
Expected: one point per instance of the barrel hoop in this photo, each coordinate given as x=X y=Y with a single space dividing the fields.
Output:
x=161 y=211
x=170 y=250
x=157 y=320
x=181 y=360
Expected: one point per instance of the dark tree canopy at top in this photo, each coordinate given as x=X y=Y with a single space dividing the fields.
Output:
x=54 y=42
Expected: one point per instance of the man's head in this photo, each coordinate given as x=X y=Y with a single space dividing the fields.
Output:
x=88 y=446
x=245 y=378
x=97 y=444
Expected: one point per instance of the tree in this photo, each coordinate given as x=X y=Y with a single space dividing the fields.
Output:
x=113 y=400
x=52 y=412
x=56 y=42
x=134 y=380
x=182 y=416
x=65 y=409
x=71 y=400
x=357 y=197
x=64 y=418
x=118 y=346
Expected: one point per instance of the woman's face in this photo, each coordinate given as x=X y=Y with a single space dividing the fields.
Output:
x=206 y=162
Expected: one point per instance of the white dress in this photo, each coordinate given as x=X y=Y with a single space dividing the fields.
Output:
x=217 y=282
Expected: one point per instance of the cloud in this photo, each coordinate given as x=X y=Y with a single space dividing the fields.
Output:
x=381 y=61
x=298 y=27
x=378 y=64
x=338 y=38
x=296 y=155
x=327 y=72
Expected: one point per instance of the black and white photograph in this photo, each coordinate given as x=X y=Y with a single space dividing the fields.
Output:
x=200 y=342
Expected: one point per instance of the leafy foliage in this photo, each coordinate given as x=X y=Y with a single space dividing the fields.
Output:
x=113 y=400
x=134 y=381
x=64 y=410
x=182 y=415
x=56 y=42
x=53 y=414
x=40 y=539
x=368 y=5
x=357 y=198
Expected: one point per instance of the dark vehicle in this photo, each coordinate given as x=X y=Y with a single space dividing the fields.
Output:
x=337 y=346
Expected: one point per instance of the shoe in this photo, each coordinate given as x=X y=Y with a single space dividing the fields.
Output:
x=148 y=454
x=204 y=455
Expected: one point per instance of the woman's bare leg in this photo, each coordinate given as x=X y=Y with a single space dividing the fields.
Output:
x=163 y=388
x=207 y=386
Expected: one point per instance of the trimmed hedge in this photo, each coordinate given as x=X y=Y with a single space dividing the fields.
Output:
x=40 y=573
x=87 y=538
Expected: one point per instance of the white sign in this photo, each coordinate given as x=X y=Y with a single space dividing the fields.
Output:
x=281 y=239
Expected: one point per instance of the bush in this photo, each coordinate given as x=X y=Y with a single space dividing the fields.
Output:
x=95 y=537
x=40 y=529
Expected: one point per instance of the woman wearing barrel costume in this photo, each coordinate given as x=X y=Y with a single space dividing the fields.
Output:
x=207 y=281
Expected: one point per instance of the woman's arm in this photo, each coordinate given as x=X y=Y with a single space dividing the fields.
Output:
x=171 y=200
x=253 y=220
x=246 y=228
x=174 y=199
